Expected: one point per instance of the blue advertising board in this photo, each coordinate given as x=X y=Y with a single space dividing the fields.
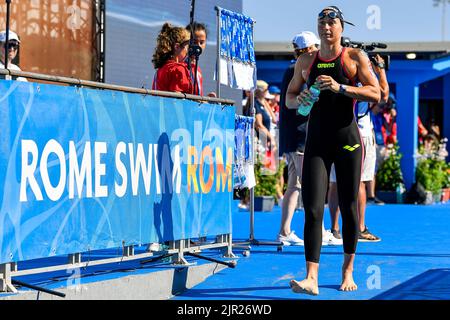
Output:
x=84 y=169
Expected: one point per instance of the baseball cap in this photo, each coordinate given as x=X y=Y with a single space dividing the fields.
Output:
x=305 y=39
x=269 y=96
x=274 y=89
x=12 y=36
x=340 y=14
x=262 y=85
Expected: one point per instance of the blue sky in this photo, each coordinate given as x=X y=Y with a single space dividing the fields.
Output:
x=375 y=20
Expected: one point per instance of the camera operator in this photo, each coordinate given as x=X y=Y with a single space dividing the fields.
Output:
x=379 y=66
x=363 y=116
x=199 y=34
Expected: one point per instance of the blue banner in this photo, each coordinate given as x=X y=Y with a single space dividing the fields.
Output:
x=237 y=52
x=236 y=41
x=84 y=169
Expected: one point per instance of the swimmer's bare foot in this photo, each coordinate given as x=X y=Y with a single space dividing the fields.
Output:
x=307 y=286
x=348 y=284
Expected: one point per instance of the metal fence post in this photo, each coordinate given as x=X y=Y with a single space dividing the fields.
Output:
x=5 y=278
x=229 y=249
x=128 y=251
x=74 y=258
x=179 y=256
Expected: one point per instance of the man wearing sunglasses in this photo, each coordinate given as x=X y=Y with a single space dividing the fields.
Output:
x=13 y=48
x=332 y=137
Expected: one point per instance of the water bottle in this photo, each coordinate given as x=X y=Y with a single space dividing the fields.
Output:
x=304 y=109
x=399 y=191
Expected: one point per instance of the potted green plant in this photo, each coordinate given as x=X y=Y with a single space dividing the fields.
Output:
x=431 y=170
x=446 y=185
x=431 y=175
x=389 y=178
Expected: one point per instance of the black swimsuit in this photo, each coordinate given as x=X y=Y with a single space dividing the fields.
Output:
x=333 y=137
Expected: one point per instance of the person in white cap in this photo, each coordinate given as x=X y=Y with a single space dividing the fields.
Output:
x=305 y=41
x=14 y=43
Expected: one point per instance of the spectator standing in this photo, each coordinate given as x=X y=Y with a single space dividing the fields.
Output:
x=292 y=141
x=172 y=72
x=380 y=69
x=264 y=116
x=273 y=98
x=199 y=32
x=423 y=132
x=365 y=126
x=169 y=60
x=274 y=101
x=380 y=147
x=13 y=49
x=389 y=128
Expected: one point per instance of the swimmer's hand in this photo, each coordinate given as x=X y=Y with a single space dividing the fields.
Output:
x=305 y=96
x=327 y=83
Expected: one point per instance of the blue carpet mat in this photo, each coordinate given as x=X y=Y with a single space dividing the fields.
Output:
x=411 y=262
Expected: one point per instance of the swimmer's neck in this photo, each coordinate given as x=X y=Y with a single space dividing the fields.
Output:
x=330 y=51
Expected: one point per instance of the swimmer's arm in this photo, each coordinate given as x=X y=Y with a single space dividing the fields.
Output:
x=369 y=91
x=295 y=86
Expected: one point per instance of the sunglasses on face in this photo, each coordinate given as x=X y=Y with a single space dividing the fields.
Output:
x=184 y=43
x=301 y=51
x=13 y=45
x=330 y=14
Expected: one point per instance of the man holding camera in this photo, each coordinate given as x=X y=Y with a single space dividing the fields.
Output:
x=332 y=137
x=364 y=119
x=380 y=67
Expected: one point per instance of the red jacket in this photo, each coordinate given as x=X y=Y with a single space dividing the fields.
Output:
x=173 y=76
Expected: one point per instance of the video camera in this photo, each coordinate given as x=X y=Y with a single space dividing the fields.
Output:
x=194 y=49
x=368 y=48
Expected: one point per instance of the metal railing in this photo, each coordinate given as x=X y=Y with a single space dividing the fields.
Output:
x=175 y=250
x=106 y=86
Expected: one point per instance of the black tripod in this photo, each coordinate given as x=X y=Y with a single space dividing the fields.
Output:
x=251 y=240
x=8 y=13
x=194 y=51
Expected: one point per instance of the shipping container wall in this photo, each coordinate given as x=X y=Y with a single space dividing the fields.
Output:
x=57 y=36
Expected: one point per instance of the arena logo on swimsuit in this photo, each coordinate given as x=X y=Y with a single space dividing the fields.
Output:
x=325 y=65
x=350 y=148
